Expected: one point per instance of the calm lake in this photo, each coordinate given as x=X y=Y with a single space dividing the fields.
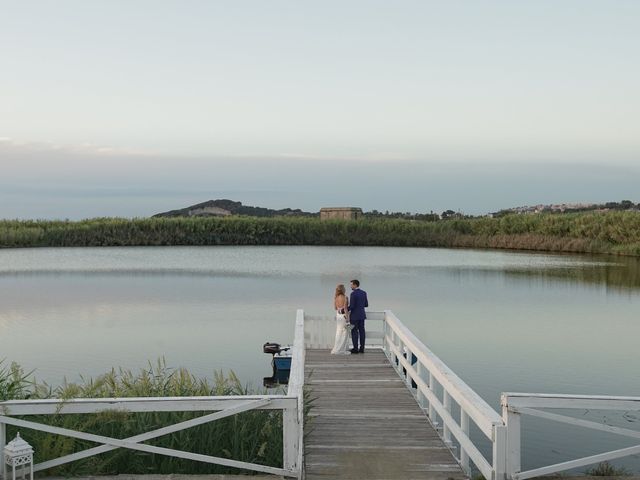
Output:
x=503 y=321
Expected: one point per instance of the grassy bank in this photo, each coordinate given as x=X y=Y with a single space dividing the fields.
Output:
x=253 y=436
x=608 y=232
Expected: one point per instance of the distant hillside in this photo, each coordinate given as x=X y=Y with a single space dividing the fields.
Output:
x=224 y=207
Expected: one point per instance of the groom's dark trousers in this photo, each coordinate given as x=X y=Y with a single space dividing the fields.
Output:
x=357 y=304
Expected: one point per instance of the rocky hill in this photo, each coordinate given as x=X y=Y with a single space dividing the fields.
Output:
x=224 y=207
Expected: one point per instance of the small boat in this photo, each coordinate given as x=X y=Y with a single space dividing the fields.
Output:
x=277 y=378
x=281 y=355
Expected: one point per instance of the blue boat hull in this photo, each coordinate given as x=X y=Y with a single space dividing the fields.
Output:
x=282 y=363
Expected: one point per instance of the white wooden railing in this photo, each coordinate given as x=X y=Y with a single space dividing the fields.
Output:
x=504 y=431
x=221 y=406
x=516 y=404
x=440 y=392
x=437 y=388
x=320 y=330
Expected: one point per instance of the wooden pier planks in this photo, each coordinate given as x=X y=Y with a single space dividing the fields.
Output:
x=366 y=424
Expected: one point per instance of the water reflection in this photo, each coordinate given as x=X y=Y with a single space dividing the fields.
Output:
x=619 y=274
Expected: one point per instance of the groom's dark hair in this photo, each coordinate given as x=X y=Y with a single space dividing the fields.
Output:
x=356 y=282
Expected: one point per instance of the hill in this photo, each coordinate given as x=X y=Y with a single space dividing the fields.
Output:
x=224 y=208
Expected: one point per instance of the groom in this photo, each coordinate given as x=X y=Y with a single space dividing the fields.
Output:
x=357 y=303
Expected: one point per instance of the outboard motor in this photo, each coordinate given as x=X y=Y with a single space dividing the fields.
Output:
x=273 y=348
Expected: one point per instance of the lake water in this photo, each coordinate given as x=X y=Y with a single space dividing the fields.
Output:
x=503 y=321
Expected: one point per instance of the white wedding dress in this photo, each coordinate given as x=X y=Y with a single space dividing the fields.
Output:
x=341 y=344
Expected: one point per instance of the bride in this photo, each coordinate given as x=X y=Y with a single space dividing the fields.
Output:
x=341 y=304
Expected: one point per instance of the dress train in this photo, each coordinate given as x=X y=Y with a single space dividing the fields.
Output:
x=341 y=344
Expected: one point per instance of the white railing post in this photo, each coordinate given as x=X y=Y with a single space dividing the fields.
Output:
x=512 y=421
x=293 y=417
x=447 y=406
x=394 y=342
x=3 y=443
x=290 y=427
x=408 y=378
x=464 y=456
x=312 y=332
x=385 y=347
x=422 y=399
x=499 y=452
x=399 y=367
x=432 y=410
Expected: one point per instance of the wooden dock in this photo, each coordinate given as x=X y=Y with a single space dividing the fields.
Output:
x=366 y=424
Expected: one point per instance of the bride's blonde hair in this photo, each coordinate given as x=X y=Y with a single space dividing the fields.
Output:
x=340 y=290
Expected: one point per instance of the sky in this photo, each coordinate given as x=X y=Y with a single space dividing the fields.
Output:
x=119 y=108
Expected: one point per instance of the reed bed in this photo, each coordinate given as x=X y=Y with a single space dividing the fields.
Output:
x=14 y=382
x=253 y=436
x=615 y=232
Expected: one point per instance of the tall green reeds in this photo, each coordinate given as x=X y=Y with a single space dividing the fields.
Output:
x=14 y=383
x=253 y=436
x=592 y=232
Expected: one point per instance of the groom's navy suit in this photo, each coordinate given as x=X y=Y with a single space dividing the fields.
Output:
x=357 y=303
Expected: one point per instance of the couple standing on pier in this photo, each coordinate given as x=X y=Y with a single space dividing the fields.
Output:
x=350 y=316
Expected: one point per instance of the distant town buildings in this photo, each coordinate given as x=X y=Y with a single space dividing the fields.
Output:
x=569 y=207
x=340 y=213
x=557 y=208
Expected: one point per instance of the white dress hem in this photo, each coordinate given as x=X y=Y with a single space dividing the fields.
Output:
x=341 y=344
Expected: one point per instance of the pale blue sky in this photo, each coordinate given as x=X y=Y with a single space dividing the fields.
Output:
x=127 y=108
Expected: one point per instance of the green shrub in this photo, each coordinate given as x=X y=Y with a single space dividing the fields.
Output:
x=605 y=469
x=14 y=383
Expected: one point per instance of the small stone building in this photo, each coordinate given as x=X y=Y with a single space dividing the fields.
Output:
x=340 y=213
